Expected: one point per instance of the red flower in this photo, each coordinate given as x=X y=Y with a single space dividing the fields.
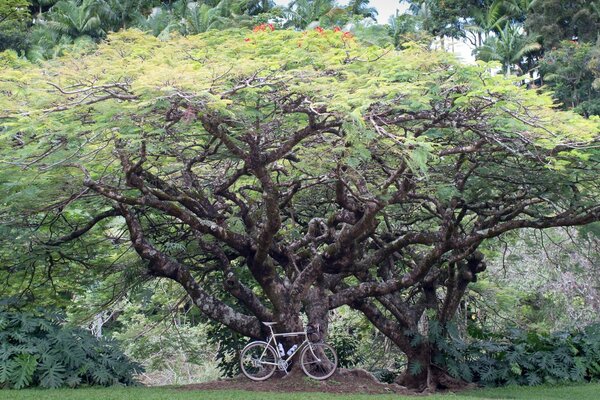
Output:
x=247 y=39
x=337 y=29
x=347 y=35
x=263 y=28
x=319 y=29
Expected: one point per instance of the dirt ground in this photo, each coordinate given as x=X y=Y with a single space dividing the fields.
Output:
x=343 y=381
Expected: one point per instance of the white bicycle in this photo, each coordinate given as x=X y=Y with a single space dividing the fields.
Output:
x=259 y=359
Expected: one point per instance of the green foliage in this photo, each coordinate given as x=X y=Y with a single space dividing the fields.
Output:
x=444 y=18
x=230 y=344
x=510 y=48
x=303 y=12
x=521 y=357
x=572 y=72
x=13 y=10
x=556 y=21
x=160 y=331
x=14 y=15
x=37 y=351
x=74 y=18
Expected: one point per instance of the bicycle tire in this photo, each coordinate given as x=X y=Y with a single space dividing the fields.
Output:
x=258 y=361
x=318 y=360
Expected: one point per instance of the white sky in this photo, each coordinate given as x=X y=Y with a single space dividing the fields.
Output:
x=386 y=8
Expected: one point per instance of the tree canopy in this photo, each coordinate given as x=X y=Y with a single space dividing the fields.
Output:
x=273 y=173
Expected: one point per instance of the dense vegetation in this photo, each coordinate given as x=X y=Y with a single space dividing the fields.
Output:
x=347 y=175
x=41 y=352
x=526 y=36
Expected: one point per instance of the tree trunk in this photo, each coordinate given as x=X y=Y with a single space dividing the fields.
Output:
x=422 y=375
x=418 y=370
x=317 y=309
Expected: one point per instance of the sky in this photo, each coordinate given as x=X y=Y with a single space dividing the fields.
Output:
x=386 y=8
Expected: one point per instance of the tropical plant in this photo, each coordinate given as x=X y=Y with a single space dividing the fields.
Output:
x=301 y=13
x=14 y=15
x=518 y=9
x=122 y=13
x=556 y=21
x=255 y=7
x=509 y=48
x=520 y=357
x=361 y=8
x=74 y=18
x=13 y=10
x=572 y=72
x=196 y=17
x=160 y=23
x=486 y=21
x=37 y=351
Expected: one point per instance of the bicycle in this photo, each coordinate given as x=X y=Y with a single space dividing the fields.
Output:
x=259 y=359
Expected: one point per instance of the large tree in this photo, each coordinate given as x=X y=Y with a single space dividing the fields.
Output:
x=556 y=20
x=277 y=173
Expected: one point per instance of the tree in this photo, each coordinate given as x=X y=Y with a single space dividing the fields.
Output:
x=572 y=72
x=302 y=12
x=75 y=19
x=200 y=18
x=361 y=7
x=122 y=13
x=277 y=173
x=446 y=18
x=510 y=48
x=487 y=20
x=255 y=7
x=556 y=21
x=11 y=10
x=14 y=16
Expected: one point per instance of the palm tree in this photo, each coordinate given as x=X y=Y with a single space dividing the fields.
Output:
x=510 y=48
x=360 y=7
x=302 y=12
x=200 y=18
x=255 y=7
x=487 y=20
x=160 y=22
x=72 y=18
x=124 y=12
x=519 y=9
x=422 y=11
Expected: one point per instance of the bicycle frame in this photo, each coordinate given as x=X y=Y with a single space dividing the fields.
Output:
x=273 y=339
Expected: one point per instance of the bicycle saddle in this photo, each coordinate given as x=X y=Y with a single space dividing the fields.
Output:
x=270 y=323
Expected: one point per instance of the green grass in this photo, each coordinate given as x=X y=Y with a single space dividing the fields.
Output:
x=575 y=392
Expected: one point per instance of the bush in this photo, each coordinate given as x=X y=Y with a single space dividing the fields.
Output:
x=522 y=357
x=41 y=352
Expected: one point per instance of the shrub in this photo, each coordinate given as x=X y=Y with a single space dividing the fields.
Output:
x=41 y=352
x=521 y=357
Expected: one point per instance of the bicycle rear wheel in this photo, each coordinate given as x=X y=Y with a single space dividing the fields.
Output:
x=318 y=360
x=258 y=361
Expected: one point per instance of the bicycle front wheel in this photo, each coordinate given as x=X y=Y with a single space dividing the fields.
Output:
x=258 y=361
x=318 y=360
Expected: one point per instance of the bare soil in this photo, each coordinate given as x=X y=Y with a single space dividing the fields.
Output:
x=343 y=381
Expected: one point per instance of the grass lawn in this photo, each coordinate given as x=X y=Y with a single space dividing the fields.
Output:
x=575 y=392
